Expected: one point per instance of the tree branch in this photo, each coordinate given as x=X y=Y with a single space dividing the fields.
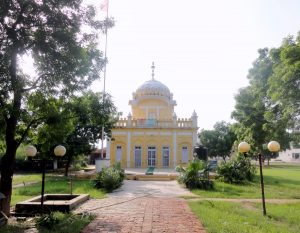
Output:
x=34 y=85
x=26 y=131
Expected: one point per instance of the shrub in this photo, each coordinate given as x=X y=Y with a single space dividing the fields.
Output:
x=62 y=222
x=110 y=178
x=80 y=162
x=117 y=167
x=237 y=170
x=49 y=221
x=195 y=175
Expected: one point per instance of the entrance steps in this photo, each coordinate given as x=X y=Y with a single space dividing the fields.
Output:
x=154 y=177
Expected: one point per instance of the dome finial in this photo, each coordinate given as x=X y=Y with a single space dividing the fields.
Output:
x=153 y=67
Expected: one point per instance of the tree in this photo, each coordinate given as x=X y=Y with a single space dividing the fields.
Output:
x=218 y=141
x=90 y=114
x=254 y=108
x=285 y=82
x=65 y=57
x=75 y=123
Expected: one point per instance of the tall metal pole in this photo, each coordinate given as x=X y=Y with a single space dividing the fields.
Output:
x=104 y=76
x=43 y=182
x=262 y=185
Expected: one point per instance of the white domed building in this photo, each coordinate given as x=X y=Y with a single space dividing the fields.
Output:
x=152 y=135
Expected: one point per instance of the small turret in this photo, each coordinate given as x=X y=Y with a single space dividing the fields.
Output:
x=174 y=119
x=129 y=119
x=195 y=119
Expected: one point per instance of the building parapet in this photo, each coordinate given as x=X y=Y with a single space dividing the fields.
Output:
x=154 y=123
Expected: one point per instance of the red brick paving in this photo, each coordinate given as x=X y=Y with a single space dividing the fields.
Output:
x=146 y=214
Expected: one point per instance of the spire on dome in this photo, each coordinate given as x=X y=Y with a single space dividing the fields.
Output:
x=194 y=114
x=153 y=67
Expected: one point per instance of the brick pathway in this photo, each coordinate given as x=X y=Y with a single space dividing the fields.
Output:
x=141 y=214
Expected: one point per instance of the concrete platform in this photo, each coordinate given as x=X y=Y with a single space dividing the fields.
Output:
x=52 y=202
x=154 y=177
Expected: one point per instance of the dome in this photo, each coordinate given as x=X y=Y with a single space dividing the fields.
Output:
x=153 y=88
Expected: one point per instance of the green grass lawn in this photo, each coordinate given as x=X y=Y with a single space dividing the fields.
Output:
x=281 y=181
x=225 y=217
x=56 y=185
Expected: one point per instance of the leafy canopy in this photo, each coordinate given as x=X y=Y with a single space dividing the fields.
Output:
x=260 y=114
x=219 y=141
x=61 y=38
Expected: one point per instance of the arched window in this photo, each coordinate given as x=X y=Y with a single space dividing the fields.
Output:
x=119 y=154
x=185 y=154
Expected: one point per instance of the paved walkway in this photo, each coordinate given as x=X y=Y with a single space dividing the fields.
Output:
x=143 y=206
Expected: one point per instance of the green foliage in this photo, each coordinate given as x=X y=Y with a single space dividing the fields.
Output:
x=12 y=228
x=75 y=122
x=269 y=108
x=89 y=113
x=80 y=162
x=179 y=168
x=61 y=222
x=218 y=141
x=284 y=82
x=195 y=175
x=61 y=37
x=237 y=170
x=110 y=178
x=50 y=220
x=282 y=181
x=117 y=166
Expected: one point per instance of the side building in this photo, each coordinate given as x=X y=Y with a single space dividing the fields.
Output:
x=291 y=155
x=152 y=135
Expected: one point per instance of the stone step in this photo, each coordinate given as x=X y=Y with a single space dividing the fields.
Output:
x=153 y=178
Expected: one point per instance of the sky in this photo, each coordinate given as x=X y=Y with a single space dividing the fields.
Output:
x=202 y=50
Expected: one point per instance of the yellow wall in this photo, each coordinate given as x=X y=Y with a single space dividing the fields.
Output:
x=150 y=137
x=165 y=111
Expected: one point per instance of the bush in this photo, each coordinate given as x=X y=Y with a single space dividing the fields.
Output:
x=49 y=221
x=195 y=175
x=117 y=166
x=110 y=178
x=80 y=162
x=237 y=170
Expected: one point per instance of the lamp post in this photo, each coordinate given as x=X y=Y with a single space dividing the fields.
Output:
x=273 y=146
x=31 y=151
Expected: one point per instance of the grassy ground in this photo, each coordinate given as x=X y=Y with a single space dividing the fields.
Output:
x=56 y=222
x=67 y=223
x=56 y=185
x=21 y=178
x=281 y=181
x=228 y=217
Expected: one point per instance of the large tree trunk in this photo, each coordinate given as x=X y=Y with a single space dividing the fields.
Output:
x=7 y=171
x=8 y=160
x=8 y=165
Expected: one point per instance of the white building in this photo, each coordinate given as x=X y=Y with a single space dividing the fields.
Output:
x=291 y=155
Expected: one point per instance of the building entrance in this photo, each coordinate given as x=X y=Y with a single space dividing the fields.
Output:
x=151 y=156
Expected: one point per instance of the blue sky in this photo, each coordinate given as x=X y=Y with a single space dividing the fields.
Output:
x=202 y=49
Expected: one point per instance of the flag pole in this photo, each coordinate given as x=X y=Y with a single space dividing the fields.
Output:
x=104 y=76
